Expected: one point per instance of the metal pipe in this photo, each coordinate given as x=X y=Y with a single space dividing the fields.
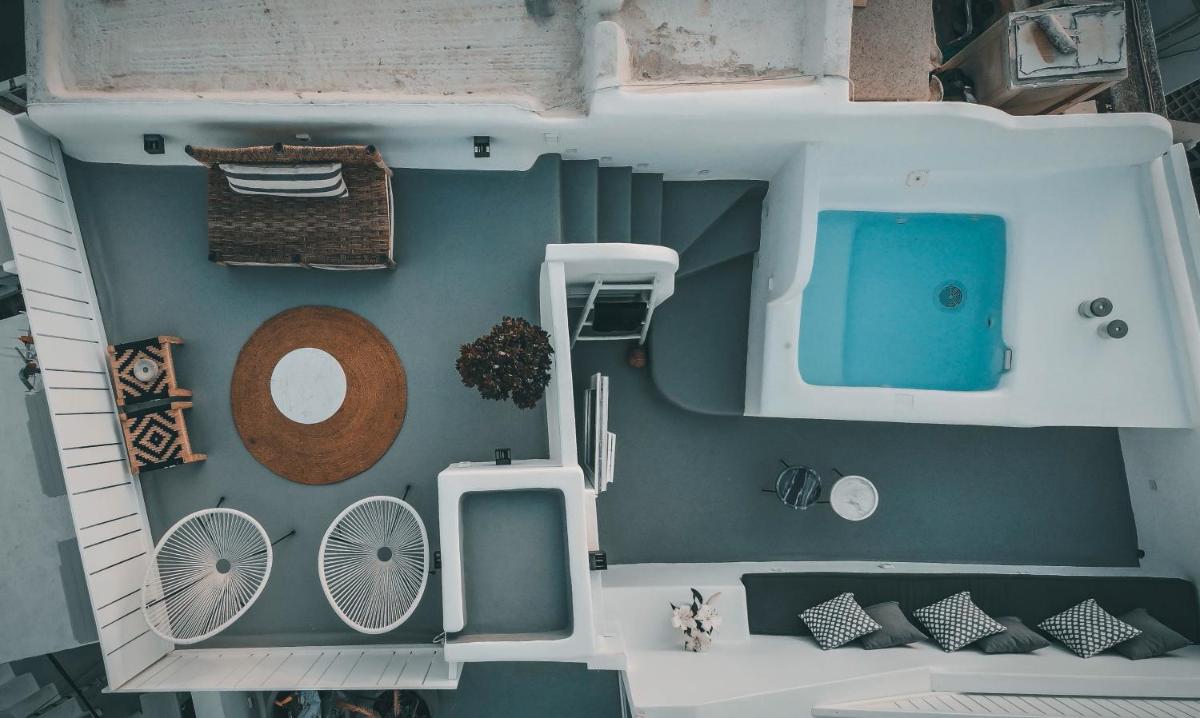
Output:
x=71 y=682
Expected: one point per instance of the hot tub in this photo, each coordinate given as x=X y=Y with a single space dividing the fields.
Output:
x=911 y=301
x=917 y=285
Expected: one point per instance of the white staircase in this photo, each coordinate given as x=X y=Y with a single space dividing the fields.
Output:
x=999 y=705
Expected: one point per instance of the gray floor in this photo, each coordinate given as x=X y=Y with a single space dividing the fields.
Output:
x=530 y=690
x=44 y=594
x=688 y=486
x=509 y=528
x=468 y=250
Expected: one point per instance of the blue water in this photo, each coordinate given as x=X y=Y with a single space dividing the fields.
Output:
x=905 y=300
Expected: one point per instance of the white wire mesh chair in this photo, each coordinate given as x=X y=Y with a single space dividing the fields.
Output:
x=374 y=562
x=207 y=570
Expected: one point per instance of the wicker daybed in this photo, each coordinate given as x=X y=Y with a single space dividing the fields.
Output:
x=353 y=232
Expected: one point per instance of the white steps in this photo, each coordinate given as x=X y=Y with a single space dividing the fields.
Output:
x=963 y=705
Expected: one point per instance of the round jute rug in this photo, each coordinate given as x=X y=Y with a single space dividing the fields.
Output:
x=355 y=436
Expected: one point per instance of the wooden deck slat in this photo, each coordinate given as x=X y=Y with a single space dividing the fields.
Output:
x=62 y=325
x=21 y=132
x=80 y=430
x=92 y=455
x=118 y=609
x=58 y=379
x=86 y=479
x=1004 y=705
x=100 y=557
x=113 y=583
x=390 y=676
x=97 y=507
x=64 y=354
x=369 y=669
x=294 y=668
x=345 y=662
x=27 y=175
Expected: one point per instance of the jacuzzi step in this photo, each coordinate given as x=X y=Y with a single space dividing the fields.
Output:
x=698 y=340
x=734 y=234
x=690 y=208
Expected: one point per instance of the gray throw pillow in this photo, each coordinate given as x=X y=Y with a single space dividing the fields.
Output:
x=896 y=631
x=1017 y=638
x=1156 y=639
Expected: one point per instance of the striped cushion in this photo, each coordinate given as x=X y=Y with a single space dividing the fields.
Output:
x=313 y=179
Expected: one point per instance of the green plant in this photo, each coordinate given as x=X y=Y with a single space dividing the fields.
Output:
x=511 y=361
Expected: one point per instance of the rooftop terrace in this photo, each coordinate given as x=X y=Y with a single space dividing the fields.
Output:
x=968 y=494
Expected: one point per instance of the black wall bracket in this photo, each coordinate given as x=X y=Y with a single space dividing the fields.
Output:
x=154 y=144
x=483 y=146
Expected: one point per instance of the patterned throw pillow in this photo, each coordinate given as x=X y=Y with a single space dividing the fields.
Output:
x=956 y=621
x=838 y=621
x=1088 y=629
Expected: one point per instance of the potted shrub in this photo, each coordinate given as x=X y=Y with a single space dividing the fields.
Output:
x=512 y=361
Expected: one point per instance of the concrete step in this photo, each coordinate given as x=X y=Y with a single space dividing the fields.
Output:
x=579 y=190
x=690 y=208
x=646 y=202
x=698 y=339
x=16 y=690
x=161 y=705
x=67 y=709
x=736 y=233
x=614 y=204
x=39 y=701
x=6 y=673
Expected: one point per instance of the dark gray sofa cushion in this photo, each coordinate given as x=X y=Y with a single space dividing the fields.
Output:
x=1155 y=640
x=1017 y=638
x=896 y=629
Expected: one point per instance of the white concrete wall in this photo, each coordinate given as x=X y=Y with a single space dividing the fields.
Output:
x=1163 y=466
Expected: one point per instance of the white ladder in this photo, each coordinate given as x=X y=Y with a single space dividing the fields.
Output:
x=1004 y=705
x=617 y=291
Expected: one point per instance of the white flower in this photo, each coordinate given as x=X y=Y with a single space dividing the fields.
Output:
x=682 y=618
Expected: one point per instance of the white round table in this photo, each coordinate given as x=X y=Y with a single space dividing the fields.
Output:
x=854 y=498
x=308 y=385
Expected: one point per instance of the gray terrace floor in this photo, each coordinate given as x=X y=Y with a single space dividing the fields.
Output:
x=468 y=249
x=688 y=486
